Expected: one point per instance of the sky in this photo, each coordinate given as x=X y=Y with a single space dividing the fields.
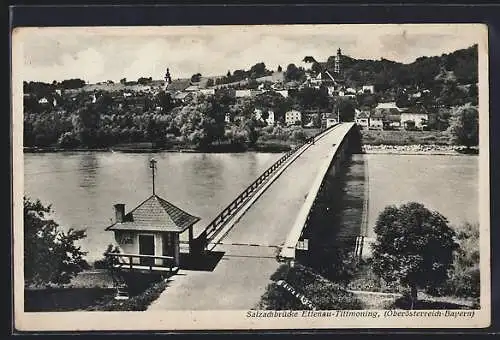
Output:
x=99 y=54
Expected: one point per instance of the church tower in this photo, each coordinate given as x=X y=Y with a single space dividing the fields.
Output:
x=337 y=62
x=168 y=79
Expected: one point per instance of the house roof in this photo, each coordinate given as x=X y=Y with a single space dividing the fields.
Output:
x=389 y=105
x=192 y=88
x=386 y=111
x=363 y=114
x=156 y=214
x=181 y=95
x=415 y=110
x=392 y=118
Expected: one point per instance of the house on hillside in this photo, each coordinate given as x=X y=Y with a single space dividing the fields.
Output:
x=182 y=96
x=43 y=101
x=330 y=120
x=392 y=121
x=257 y=114
x=227 y=117
x=376 y=121
x=270 y=118
x=362 y=119
x=148 y=235
x=387 y=106
x=243 y=93
x=317 y=81
x=192 y=88
x=207 y=92
x=414 y=118
x=293 y=117
x=283 y=93
x=368 y=89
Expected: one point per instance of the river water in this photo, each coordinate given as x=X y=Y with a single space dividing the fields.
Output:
x=83 y=186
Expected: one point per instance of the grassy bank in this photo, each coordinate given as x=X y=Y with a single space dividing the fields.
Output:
x=381 y=137
x=139 y=302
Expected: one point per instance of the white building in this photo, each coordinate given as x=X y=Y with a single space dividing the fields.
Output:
x=417 y=118
x=387 y=106
x=227 y=118
x=43 y=100
x=284 y=93
x=192 y=88
x=368 y=88
x=257 y=114
x=270 y=118
x=330 y=121
x=293 y=117
x=208 y=92
x=362 y=119
x=243 y=93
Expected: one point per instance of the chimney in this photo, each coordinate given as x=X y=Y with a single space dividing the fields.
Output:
x=119 y=212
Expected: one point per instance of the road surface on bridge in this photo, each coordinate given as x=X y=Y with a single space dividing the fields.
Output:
x=251 y=245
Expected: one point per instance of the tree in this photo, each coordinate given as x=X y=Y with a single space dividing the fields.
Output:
x=464 y=126
x=144 y=80
x=294 y=73
x=195 y=78
x=86 y=124
x=346 y=110
x=165 y=101
x=210 y=82
x=279 y=68
x=414 y=247
x=316 y=68
x=50 y=254
x=258 y=70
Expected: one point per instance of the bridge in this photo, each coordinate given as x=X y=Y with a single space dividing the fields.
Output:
x=263 y=226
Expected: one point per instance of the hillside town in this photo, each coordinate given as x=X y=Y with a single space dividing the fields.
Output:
x=250 y=108
x=427 y=106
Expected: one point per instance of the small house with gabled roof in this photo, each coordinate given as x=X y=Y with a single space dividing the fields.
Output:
x=148 y=235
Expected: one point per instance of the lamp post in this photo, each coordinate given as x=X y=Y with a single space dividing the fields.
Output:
x=152 y=165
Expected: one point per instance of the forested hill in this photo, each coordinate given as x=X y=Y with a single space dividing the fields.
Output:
x=425 y=72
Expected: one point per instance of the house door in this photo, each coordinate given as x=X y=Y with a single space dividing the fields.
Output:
x=147 y=247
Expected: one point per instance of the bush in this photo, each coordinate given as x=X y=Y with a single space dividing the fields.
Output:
x=139 y=302
x=107 y=262
x=323 y=294
x=464 y=278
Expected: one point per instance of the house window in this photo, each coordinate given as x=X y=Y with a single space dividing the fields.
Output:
x=125 y=238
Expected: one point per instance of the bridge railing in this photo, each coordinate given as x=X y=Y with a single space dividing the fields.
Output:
x=213 y=227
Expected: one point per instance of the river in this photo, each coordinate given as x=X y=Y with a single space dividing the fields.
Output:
x=83 y=186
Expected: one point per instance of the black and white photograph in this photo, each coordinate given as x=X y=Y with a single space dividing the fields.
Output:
x=266 y=176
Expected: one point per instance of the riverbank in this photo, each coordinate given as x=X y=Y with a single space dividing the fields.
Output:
x=421 y=149
x=403 y=137
x=260 y=147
